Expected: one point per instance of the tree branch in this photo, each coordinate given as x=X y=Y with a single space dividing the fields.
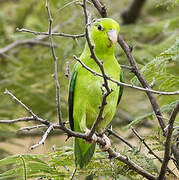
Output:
x=27 y=109
x=131 y=164
x=111 y=132
x=47 y=33
x=32 y=127
x=149 y=149
x=168 y=143
x=44 y=137
x=23 y=42
x=144 y=83
x=55 y=64
x=101 y=8
x=26 y=119
x=38 y=39
x=125 y=84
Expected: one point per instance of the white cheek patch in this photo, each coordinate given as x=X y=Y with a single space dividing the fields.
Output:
x=112 y=35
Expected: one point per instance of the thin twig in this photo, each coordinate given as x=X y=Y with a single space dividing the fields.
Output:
x=125 y=84
x=149 y=149
x=53 y=34
x=23 y=42
x=111 y=152
x=62 y=24
x=27 y=109
x=38 y=39
x=110 y=131
x=44 y=137
x=130 y=164
x=144 y=83
x=32 y=127
x=24 y=119
x=168 y=143
x=55 y=64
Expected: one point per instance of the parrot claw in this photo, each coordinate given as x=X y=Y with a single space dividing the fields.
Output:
x=93 y=138
x=107 y=141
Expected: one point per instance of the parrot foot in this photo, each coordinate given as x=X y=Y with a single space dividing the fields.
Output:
x=93 y=138
x=107 y=141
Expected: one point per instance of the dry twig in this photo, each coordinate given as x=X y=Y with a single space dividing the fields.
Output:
x=168 y=143
x=101 y=8
x=36 y=118
x=125 y=84
x=144 y=83
x=47 y=33
x=149 y=149
x=111 y=132
x=44 y=137
x=23 y=42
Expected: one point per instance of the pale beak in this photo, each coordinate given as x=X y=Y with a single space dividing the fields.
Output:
x=112 y=35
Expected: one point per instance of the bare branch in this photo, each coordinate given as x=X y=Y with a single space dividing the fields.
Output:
x=55 y=64
x=101 y=8
x=53 y=34
x=144 y=83
x=27 y=109
x=131 y=164
x=38 y=39
x=125 y=84
x=100 y=114
x=23 y=42
x=111 y=152
x=44 y=137
x=110 y=131
x=91 y=47
x=26 y=119
x=32 y=127
x=168 y=143
x=57 y=27
x=149 y=149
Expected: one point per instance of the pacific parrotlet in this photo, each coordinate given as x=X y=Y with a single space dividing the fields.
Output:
x=85 y=94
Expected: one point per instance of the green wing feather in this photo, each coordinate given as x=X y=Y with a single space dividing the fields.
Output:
x=71 y=96
x=82 y=150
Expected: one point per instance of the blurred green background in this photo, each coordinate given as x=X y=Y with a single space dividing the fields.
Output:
x=26 y=70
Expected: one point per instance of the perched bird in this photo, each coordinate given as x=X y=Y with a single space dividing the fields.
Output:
x=85 y=94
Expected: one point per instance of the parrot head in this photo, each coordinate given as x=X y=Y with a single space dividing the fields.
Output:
x=104 y=33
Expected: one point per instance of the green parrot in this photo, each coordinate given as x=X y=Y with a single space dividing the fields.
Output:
x=85 y=94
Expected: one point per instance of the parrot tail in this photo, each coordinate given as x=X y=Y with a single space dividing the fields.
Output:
x=83 y=152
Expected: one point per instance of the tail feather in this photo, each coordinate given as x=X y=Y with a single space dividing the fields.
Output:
x=83 y=152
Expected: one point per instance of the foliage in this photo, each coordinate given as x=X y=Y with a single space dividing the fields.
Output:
x=60 y=165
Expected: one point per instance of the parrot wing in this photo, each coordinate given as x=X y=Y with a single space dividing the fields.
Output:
x=82 y=150
x=71 y=95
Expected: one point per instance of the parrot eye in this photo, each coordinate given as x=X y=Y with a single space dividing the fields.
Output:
x=100 y=28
